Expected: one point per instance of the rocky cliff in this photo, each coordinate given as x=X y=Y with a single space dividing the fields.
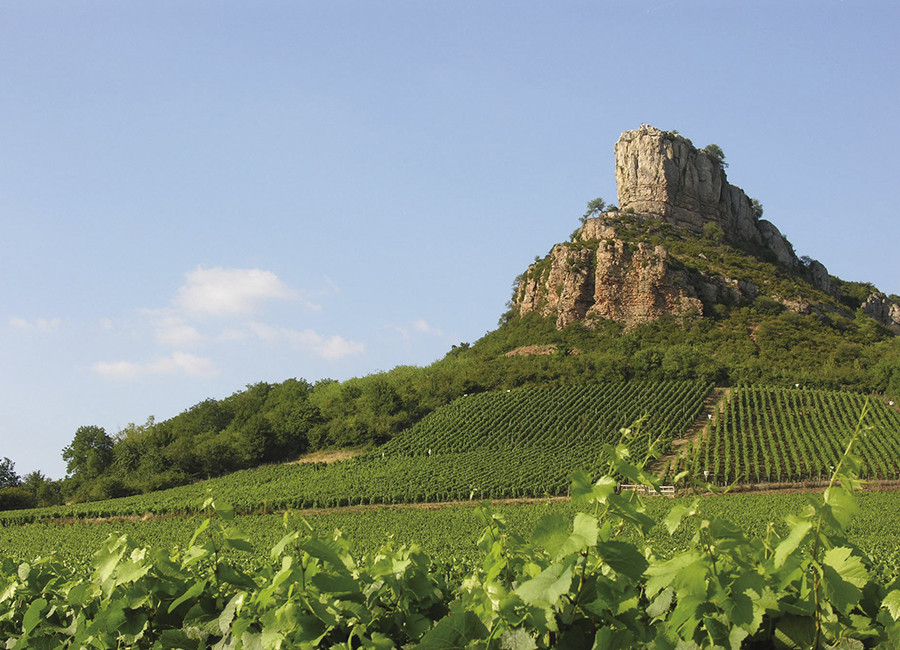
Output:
x=606 y=272
x=662 y=174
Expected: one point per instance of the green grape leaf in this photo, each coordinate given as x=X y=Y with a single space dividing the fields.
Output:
x=840 y=506
x=454 y=631
x=518 y=639
x=891 y=602
x=842 y=576
x=676 y=514
x=336 y=584
x=278 y=549
x=624 y=558
x=550 y=532
x=33 y=615
x=192 y=592
x=799 y=532
x=547 y=586
x=584 y=534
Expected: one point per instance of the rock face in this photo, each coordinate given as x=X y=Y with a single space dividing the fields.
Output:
x=629 y=284
x=600 y=275
x=882 y=309
x=664 y=175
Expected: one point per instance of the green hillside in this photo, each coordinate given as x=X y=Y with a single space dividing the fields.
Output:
x=762 y=434
x=520 y=443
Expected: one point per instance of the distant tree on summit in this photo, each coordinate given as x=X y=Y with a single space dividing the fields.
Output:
x=594 y=208
x=716 y=153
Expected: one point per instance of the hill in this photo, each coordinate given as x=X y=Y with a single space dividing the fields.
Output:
x=683 y=281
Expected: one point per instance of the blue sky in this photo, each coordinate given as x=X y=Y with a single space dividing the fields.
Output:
x=196 y=196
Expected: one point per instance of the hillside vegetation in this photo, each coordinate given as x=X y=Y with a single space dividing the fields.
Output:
x=521 y=443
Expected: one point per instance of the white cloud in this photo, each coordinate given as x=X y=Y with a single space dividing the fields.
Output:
x=228 y=292
x=327 y=347
x=180 y=362
x=43 y=325
x=173 y=332
x=422 y=326
x=419 y=326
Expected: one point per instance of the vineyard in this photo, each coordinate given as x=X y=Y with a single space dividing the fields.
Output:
x=536 y=438
x=448 y=533
x=586 y=580
x=791 y=435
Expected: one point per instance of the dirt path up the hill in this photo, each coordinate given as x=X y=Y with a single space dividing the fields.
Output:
x=698 y=428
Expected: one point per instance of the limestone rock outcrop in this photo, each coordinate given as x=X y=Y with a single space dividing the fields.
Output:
x=605 y=274
x=619 y=281
x=629 y=284
x=882 y=309
x=662 y=174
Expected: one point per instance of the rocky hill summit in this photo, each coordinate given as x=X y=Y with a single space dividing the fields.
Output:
x=631 y=264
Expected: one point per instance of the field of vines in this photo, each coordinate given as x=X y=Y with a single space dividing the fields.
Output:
x=536 y=438
x=554 y=420
x=765 y=434
x=448 y=533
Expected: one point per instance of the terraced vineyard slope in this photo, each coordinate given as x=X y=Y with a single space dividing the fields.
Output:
x=762 y=434
x=536 y=438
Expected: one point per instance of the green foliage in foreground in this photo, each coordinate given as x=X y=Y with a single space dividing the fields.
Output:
x=581 y=586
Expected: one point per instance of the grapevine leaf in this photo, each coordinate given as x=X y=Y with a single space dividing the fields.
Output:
x=847 y=565
x=131 y=571
x=518 y=639
x=795 y=631
x=584 y=534
x=840 y=506
x=792 y=542
x=278 y=549
x=33 y=615
x=454 y=631
x=199 y=531
x=547 y=586
x=624 y=558
x=676 y=514
x=236 y=539
x=326 y=550
x=661 y=604
x=550 y=532
x=684 y=573
x=107 y=557
x=736 y=636
x=892 y=604
x=224 y=510
x=235 y=576
x=336 y=584
x=582 y=491
x=192 y=592
x=843 y=574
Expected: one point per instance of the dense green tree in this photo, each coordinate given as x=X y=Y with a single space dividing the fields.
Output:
x=89 y=454
x=8 y=476
x=45 y=490
x=16 y=498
